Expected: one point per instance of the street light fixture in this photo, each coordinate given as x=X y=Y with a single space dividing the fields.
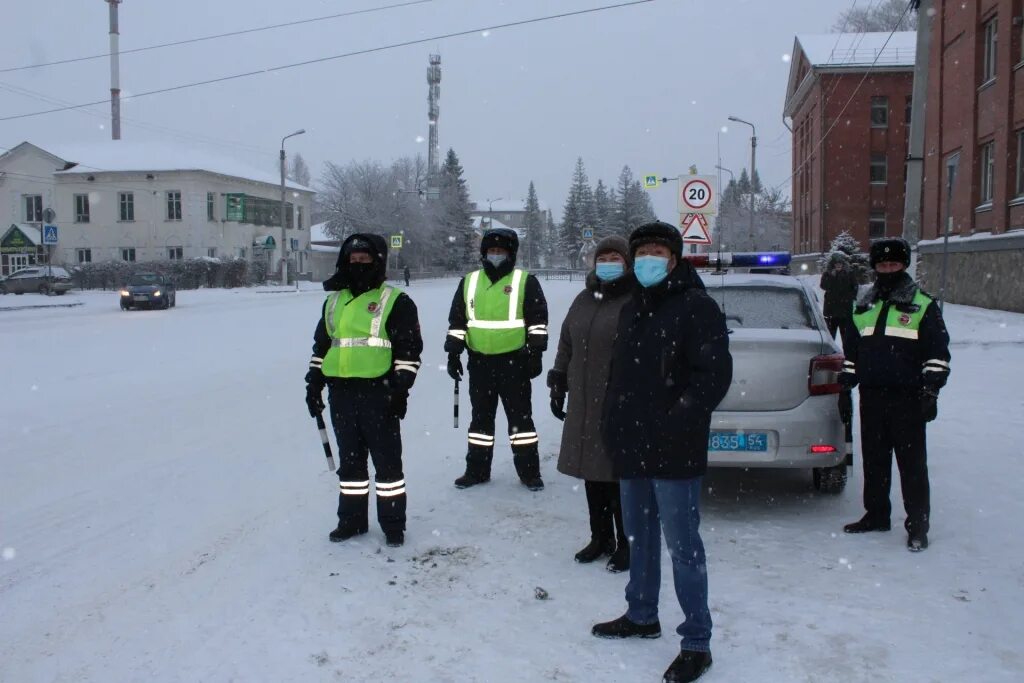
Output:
x=753 y=170
x=284 y=222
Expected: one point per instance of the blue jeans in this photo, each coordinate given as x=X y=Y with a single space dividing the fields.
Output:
x=648 y=506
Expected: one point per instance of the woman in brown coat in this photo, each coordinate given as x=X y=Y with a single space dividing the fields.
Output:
x=582 y=368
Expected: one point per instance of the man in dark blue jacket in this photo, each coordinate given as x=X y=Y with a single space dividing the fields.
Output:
x=670 y=369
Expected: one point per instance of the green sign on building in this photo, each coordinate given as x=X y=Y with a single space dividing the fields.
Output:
x=15 y=242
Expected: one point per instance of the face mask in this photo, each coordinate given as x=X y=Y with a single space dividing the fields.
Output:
x=496 y=259
x=606 y=272
x=362 y=275
x=889 y=280
x=650 y=270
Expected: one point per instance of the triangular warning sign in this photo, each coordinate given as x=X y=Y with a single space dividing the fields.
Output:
x=695 y=229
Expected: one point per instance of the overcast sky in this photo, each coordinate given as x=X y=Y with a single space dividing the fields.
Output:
x=649 y=86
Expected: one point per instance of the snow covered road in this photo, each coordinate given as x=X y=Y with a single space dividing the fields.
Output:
x=164 y=510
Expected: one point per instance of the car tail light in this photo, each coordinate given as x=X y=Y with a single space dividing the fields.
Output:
x=823 y=377
x=822 y=448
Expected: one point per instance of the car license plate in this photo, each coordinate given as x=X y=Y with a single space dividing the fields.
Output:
x=141 y=297
x=738 y=441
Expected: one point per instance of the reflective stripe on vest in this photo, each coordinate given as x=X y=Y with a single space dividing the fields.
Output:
x=494 y=312
x=897 y=323
x=357 y=327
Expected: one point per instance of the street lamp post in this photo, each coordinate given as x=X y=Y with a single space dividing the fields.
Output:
x=284 y=222
x=721 y=230
x=753 y=170
x=490 y=211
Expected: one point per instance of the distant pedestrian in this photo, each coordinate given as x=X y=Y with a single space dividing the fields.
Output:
x=839 y=282
x=581 y=370
x=670 y=369
x=405 y=273
x=897 y=353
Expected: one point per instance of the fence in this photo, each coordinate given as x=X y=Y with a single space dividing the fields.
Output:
x=185 y=274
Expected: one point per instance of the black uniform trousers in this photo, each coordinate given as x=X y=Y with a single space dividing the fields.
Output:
x=364 y=423
x=890 y=420
x=503 y=377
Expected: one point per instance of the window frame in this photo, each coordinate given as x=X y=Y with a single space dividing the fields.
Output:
x=211 y=252
x=81 y=202
x=874 y=163
x=173 y=212
x=175 y=253
x=126 y=207
x=128 y=251
x=211 y=208
x=874 y=217
x=36 y=208
x=85 y=252
x=989 y=50
x=879 y=103
x=987 y=160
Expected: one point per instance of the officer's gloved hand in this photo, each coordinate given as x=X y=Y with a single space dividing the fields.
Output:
x=845 y=406
x=534 y=362
x=929 y=404
x=399 y=402
x=314 y=391
x=455 y=370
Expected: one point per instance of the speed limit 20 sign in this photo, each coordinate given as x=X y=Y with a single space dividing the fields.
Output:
x=697 y=194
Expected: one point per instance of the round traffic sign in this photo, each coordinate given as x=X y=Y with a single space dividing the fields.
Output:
x=696 y=194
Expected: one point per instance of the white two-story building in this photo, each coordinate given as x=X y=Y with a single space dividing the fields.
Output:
x=123 y=200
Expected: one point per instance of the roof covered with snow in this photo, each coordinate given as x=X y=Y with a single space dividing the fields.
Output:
x=128 y=155
x=506 y=205
x=481 y=223
x=859 y=49
x=318 y=233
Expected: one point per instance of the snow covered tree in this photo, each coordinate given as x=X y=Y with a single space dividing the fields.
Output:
x=533 y=224
x=603 y=210
x=578 y=210
x=846 y=244
x=886 y=16
x=454 y=213
x=743 y=185
x=632 y=206
x=299 y=171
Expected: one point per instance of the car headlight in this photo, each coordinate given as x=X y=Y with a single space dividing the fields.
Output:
x=156 y=293
x=125 y=292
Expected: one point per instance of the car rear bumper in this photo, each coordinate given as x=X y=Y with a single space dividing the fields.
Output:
x=791 y=433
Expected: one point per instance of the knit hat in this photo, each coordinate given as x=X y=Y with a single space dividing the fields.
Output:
x=657 y=232
x=894 y=249
x=616 y=244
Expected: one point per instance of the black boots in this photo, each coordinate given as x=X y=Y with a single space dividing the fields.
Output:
x=688 y=666
x=472 y=478
x=624 y=628
x=619 y=561
x=533 y=482
x=595 y=549
x=394 y=539
x=605 y=519
x=346 y=531
x=917 y=541
x=866 y=524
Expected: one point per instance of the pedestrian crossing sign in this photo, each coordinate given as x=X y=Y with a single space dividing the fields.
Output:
x=396 y=241
x=651 y=181
x=49 y=234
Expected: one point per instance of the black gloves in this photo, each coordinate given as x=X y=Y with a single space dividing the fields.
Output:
x=314 y=392
x=558 y=382
x=534 y=362
x=929 y=404
x=845 y=406
x=455 y=370
x=399 y=402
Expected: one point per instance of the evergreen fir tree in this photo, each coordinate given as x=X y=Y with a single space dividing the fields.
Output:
x=744 y=183
x=603 y=210
x=454 y=218
x=299 y=171
x=632 y=206
x=533 y=223
x=574 y=216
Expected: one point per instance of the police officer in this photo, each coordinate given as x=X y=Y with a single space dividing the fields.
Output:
x=366 y=350
x=897 y=352
x=499 y=313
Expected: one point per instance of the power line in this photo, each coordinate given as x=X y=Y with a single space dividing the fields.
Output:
x=320 y=60
x=214 y=37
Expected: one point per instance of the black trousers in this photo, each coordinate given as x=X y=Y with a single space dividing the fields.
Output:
x=364 y=424
x=605 y=509
x=834 y=325
x=503 y=377
x=890 y=420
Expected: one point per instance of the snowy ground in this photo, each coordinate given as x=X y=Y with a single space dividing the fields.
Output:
x=164 y=510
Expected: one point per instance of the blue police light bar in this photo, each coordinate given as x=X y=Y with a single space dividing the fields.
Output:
x=761 y=259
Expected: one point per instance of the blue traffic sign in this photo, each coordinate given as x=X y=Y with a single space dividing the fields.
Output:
x=588 y=233
x=49 y=234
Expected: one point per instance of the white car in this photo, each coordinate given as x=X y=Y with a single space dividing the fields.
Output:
x=782 y=407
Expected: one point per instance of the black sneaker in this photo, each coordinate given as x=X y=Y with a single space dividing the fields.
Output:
x=866 y=524
x=394 y=539
x=688 y=666
x=345 y=532
x=533 y=483
x=624 y=628
x=471 y=479
x=917 y=541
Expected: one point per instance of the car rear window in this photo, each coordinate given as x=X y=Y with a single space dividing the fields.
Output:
x=771 y=308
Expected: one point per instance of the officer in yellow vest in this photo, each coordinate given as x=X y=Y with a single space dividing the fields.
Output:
x=366 y=351
x=500 y=315
x=897 y=352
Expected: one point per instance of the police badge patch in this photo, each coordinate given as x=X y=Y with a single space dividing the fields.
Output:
x=904 y=319
x=372 y=308
x=508 y=289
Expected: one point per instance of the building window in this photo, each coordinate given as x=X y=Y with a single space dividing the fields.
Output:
x=128 y=254
x=209 y=207
x=909 y=113
x=241 y=252
x=988 y=57
x=85 y=255
x=126 y=206
x=988 y=169
x=876 y=225
x=174 y=253
x=33 y=208
x=212 y=252
x=81 y=208
x=879 y=112
x=174 y=205
x=879 y=171
x=299 y=217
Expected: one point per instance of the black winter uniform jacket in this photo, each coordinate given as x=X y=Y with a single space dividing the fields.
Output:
x=671 y=368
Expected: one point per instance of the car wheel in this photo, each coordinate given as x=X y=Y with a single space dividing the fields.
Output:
x=3 y=290
x=830 y=479
x=61 y=292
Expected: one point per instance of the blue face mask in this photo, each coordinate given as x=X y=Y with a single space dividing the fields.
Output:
x=613 y=270
x=496 y=259
x=650 y=270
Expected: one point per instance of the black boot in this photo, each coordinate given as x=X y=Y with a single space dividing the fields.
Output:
x=394 y=539
x=688 y=666
x=865 y=524
x=472 y=478
x=534 y=483
x=624 y=628
x=917 y=541
x=602 y=534
x=595 y=549
x=619 y=561
x=346 y=531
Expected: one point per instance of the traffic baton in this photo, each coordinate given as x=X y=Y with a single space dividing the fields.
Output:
x=326 y=441
x=456 y=405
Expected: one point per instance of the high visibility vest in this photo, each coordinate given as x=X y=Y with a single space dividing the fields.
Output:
x=898 y=323
x=494 y=312
x=357 y=327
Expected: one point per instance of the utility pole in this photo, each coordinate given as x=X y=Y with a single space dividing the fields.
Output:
x=115 y=73
x=284 y=220
x=915 y=153
x=753 y=173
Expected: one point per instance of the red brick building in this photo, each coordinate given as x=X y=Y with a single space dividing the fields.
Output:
x=849 y=100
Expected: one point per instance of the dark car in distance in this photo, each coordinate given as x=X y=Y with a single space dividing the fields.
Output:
x=148 y=290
